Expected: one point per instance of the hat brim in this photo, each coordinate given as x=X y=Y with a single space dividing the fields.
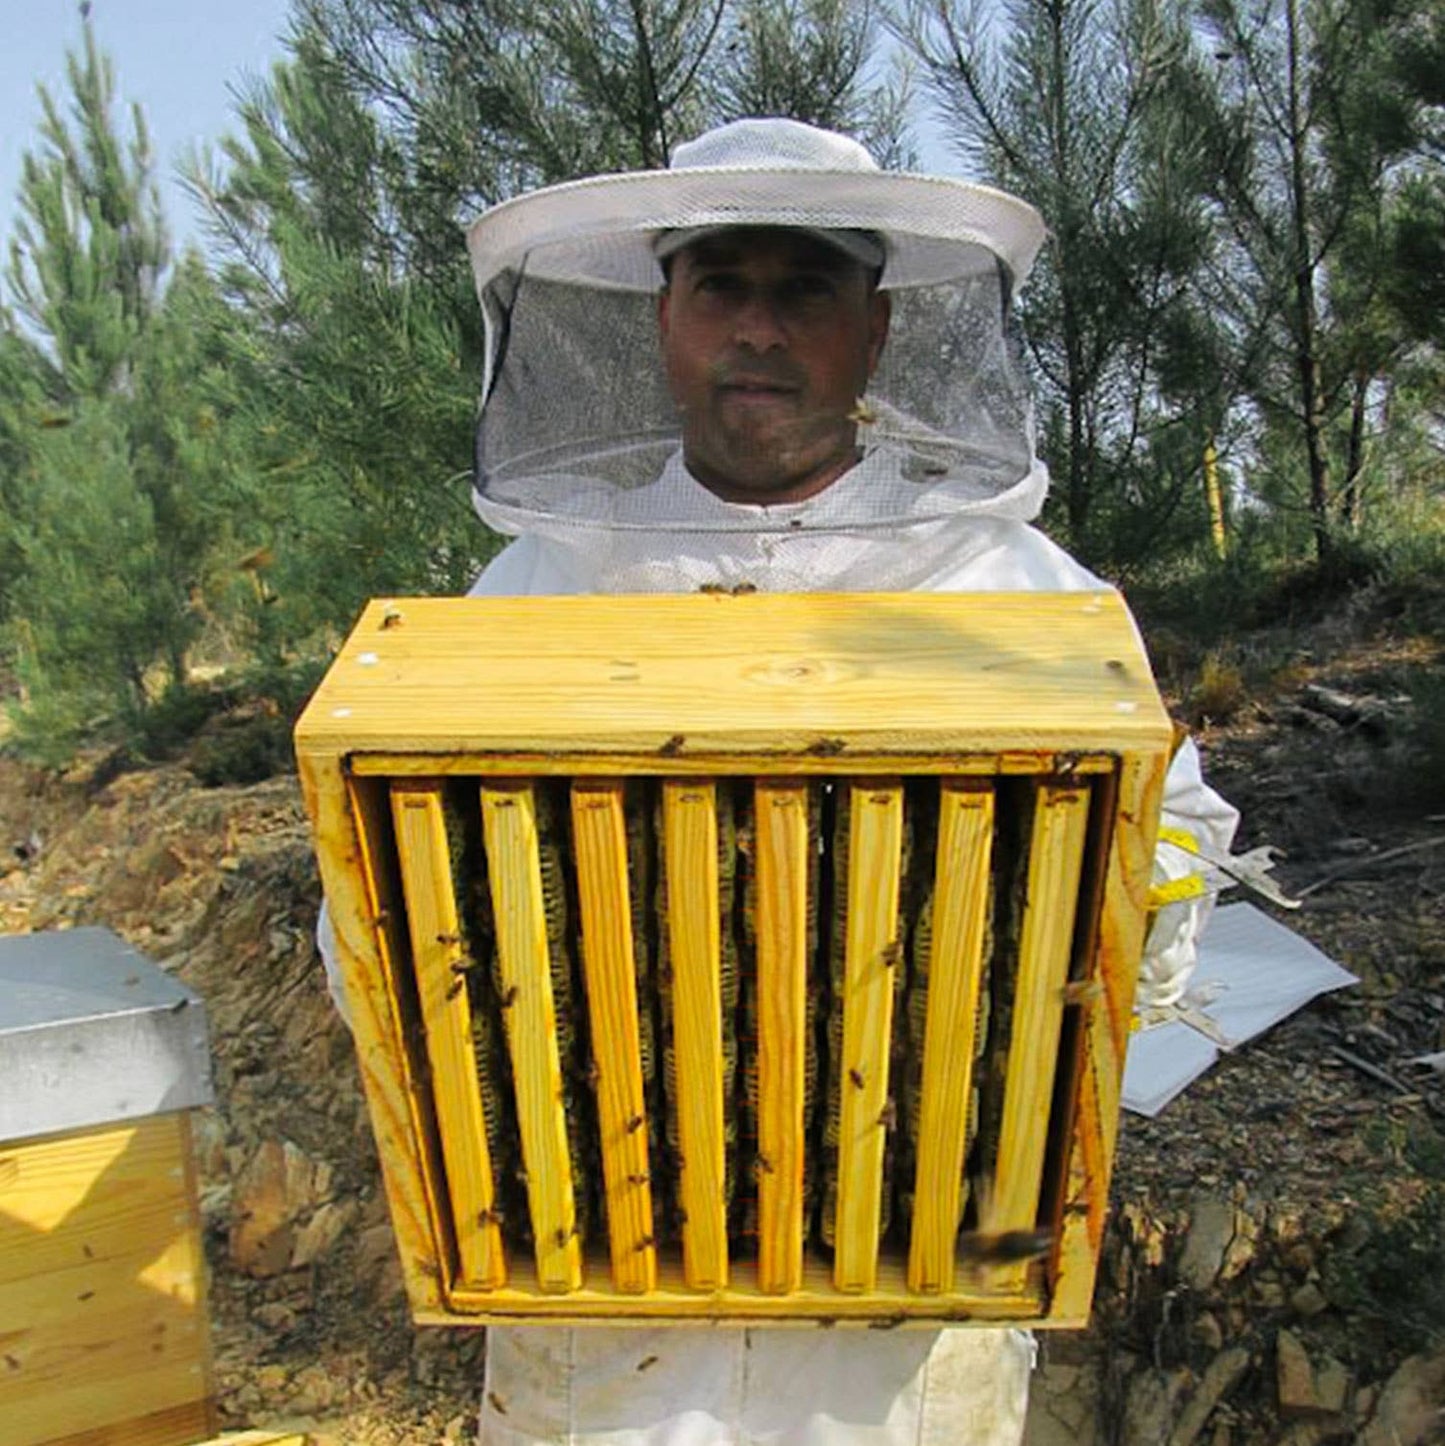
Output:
x=600 y=231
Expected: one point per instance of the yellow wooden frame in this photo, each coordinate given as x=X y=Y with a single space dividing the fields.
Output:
x=989 y=695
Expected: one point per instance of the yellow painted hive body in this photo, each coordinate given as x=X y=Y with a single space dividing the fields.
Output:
x=762 y=958
x=103 y=1334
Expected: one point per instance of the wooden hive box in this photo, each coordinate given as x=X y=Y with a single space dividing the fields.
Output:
x=103 y=1331
x=763 y=958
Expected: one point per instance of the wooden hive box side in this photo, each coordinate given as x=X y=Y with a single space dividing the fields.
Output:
x=103 y=1335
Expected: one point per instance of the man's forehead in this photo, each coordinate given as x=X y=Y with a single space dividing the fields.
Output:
x=738 y=245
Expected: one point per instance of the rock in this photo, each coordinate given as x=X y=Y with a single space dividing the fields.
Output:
x=1150 y=1406
x=275 y=1315
x=1205 y=1331
x=1295 y=1377
x=1240 y=1250
x=1223 y=1374
x=278 y=1184
x=1409 y=1410
x=1269 y=1293
x=1063 y=1406
x=1211 y=1228
x=1309 y=1300
x=314 y=1390
x=1332 y=1386
x=321 y=1232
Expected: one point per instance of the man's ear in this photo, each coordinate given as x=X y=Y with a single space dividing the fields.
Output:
x=880 y=311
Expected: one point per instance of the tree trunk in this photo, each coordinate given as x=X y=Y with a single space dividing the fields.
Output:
x=1307 y=362
x=1351 y=503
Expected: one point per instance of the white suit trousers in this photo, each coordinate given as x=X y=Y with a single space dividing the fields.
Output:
x=719 y=1386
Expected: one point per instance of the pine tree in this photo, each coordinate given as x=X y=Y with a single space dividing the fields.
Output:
x=1068 y=103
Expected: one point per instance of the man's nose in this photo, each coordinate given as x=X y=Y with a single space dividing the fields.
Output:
x=758 y=322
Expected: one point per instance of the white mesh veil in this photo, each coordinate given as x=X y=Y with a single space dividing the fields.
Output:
x=579 y=439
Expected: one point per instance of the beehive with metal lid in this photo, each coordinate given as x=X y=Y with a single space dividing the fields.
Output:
x=741 y=958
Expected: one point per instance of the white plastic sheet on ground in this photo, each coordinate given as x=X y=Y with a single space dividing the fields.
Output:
x=1252 y=972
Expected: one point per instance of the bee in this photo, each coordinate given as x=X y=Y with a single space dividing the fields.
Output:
x=1011 y=1247
x=856 y=1075
x=862 y=413
x=495 y=1402
x=510 y=997
x=564 y=1235
x=888 y=1116
x=673 y=746
x=893 y=953
x=646 y=1363
x=646 y=1243
x=635 y=1124
x=638 y=1179
x=1083 y=991
x=490 y=1216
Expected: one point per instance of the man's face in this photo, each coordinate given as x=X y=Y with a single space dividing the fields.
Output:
x=769 y=337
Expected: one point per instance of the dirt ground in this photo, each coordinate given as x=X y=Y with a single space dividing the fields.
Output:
x=1275 y=1269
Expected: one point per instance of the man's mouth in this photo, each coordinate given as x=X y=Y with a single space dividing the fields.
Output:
x=761 y=388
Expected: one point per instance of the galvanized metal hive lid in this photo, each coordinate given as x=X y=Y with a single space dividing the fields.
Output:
x=92 y=1032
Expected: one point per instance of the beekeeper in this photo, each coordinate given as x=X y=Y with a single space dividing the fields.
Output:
x=772 y=366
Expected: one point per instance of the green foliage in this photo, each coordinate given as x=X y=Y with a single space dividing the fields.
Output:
x=1092 y=112
x=1390 y=1266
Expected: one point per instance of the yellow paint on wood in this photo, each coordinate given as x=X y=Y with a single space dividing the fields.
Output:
x=840 y=756
x=1046 y=939
x=351 y=825
x=813 y=1298
x=1120 y=940
x=102 y=1323
x=962 y=883
x=257 y=1438
x=514 y=869
x=690 y=844
x=898 y=673
x=439 y=962
x=782 y=846
x=872 y=958
x=599 y=836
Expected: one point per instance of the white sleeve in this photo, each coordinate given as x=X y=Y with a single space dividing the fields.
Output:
x=326 y=945
x=1170 y=951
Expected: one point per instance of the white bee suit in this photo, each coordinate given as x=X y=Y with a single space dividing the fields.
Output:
x=578 y=458
x=721 y=1386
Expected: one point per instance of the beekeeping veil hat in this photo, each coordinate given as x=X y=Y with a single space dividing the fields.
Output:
x=579 y=438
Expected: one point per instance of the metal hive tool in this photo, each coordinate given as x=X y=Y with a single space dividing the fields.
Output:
x=789 y=1012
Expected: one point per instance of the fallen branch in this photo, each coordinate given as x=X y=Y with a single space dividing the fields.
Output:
x=1374 y=1071
x=1352 y=867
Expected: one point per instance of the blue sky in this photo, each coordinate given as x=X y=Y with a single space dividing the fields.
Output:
x=180 y=59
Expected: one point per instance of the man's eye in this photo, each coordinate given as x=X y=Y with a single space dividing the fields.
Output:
x=718 y=283
x=810 y=288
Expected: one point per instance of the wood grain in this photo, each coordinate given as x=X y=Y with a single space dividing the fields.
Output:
x=872 y=958
x=885 y=673
x=1046 y=940
x=962 y=881
x=782 y=845
x=514 y=869
x=599 y=835
x=690 y=847
x=438 y=959
x=102 y=1318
